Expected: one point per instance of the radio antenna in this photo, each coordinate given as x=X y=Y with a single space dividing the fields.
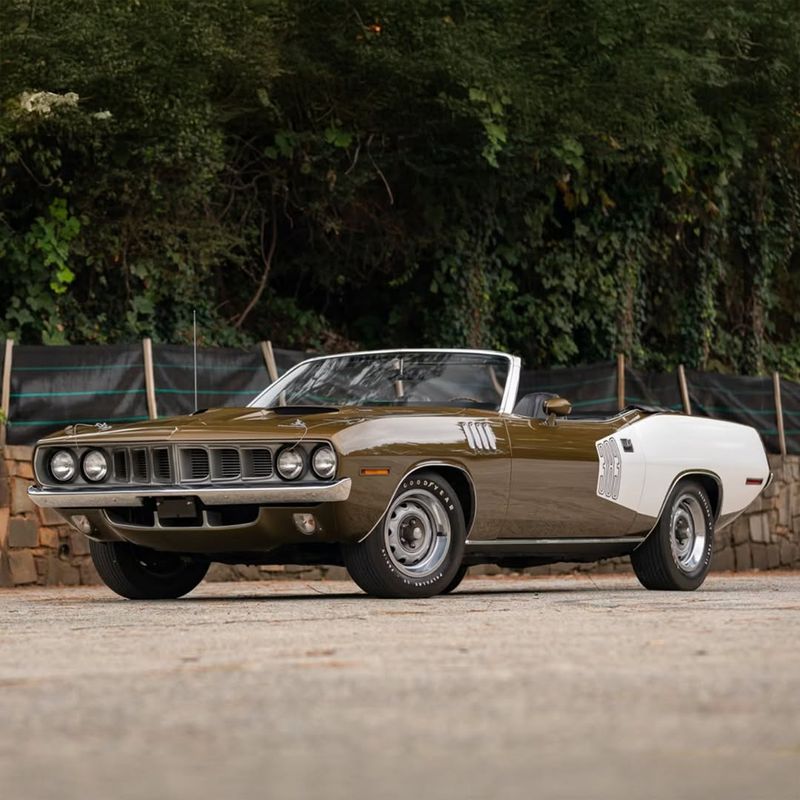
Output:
x=194 y=341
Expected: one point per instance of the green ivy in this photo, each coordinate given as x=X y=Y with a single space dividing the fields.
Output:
x=564 y=180
x=39 y=267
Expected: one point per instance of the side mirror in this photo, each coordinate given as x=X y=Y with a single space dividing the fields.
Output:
x=557 y=407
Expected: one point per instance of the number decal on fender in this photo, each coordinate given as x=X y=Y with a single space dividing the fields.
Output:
x=610 y=472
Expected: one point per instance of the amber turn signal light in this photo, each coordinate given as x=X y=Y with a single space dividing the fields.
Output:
x=369 y=472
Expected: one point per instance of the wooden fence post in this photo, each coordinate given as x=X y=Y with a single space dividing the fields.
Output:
x=149 y=378
x=684 y=389
x=776 y=387
x=269 y=361
x=5 y=390
x=620 y=381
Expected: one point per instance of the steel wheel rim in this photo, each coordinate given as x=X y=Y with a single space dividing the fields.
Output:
x=417 y=533
x=688 y=533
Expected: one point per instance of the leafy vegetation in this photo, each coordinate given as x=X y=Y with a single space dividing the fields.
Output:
x=565 y=180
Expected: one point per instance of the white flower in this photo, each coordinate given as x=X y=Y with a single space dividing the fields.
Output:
x=102 y=114
x=44 y=102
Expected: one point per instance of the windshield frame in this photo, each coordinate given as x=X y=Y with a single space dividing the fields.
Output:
x=509 y=392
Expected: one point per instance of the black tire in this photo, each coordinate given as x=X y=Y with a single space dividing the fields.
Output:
x=457 y=578
x=374 y=564
x=142 y=574
x=667 y=562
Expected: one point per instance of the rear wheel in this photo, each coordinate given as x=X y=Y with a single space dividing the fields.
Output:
x=677 y=554
x=142 y=574
x=417 y=548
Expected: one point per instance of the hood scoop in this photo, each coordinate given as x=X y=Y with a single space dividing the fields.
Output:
x=294 y=410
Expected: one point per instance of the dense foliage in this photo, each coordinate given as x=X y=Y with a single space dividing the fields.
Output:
x=565 y=179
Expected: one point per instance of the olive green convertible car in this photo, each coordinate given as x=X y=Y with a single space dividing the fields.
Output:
x=406 y=466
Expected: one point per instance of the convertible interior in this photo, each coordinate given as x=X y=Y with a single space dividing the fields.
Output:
x=532 y=405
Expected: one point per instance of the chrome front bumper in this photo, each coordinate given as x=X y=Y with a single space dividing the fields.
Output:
x=127 y=496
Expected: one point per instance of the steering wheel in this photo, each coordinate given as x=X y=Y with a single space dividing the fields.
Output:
x=465 y=397
x=417 y=397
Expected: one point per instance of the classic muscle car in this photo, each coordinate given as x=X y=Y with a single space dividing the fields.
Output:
x=406 y=466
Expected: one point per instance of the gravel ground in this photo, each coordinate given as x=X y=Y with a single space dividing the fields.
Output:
x=547 y=687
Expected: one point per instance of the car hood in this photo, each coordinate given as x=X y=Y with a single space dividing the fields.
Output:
x=224 y=424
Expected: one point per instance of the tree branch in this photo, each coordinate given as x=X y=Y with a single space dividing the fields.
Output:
x=266 y=259
x=378 y=170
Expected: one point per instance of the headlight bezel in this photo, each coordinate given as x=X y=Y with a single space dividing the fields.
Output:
x=106 y=464
x=322 y=475
x=74 y=465
x=292 y=449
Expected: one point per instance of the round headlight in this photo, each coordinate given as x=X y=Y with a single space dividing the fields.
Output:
x=290 y=464
x=62 y=466
x=324 y=462
x=95 y=466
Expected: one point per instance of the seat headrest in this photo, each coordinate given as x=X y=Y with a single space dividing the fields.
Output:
x=532 y=405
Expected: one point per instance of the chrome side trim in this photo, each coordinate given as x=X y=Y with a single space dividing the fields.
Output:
x=210 y=495
x=551 y=542
x=417 y=468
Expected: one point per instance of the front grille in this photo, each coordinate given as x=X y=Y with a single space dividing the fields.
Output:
x=162 y=470
x=142 y=465
x=194 y=464
x=167 y=464
x=139 y=470
x=257 y=462
x=227 y=464
x=121 y=466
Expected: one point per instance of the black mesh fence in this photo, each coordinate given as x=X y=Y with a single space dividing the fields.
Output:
x=652 y=389
x=286 y=359
x=52 y=387
x=790 y=396
x=750 y=401
x=592 y=390
x=225 y=377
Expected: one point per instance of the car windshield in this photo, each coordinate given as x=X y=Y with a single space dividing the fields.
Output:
x=464 y=380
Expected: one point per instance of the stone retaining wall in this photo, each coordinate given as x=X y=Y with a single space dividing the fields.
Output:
x=38 y=547
x=767 y=535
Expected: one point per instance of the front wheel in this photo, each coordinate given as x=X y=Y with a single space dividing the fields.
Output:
x=142 y=574
x=677 y=553
x=417 y=548
x=457 y=578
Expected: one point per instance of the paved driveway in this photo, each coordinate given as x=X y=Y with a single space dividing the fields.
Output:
x=535 y=688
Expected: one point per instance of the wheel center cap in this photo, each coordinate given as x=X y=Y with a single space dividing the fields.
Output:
x=412 y=533
x=682 y=529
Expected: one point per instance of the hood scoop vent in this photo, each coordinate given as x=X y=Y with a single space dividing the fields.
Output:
x=292 y=411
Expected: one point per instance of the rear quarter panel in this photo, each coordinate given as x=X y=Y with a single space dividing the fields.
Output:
x=670 y=445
